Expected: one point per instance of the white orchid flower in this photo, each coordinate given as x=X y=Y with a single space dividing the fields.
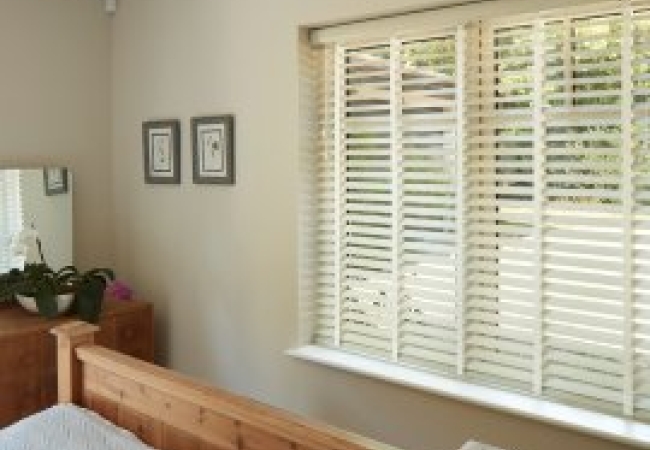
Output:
x=25 y=244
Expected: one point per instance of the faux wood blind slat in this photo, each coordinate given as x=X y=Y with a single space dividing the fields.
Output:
x=485 y=204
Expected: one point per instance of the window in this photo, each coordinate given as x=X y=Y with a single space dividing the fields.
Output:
x=11 y=220
x=480 y=203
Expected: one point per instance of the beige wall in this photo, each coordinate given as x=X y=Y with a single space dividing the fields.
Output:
x=220 y=263
x=55 y=105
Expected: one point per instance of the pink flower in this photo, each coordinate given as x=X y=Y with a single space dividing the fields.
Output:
x=119 y=290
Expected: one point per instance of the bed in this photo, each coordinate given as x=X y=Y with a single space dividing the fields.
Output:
x=164 y=409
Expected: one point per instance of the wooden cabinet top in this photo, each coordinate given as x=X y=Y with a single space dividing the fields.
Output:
x=14 y=320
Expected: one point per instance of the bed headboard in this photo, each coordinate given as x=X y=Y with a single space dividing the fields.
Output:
x=173 y=412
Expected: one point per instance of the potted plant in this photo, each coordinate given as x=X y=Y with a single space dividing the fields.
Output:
x=52 y=292
x=39 y=288
x=89 y=288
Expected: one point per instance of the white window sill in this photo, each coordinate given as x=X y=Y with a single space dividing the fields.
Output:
x=602 y=425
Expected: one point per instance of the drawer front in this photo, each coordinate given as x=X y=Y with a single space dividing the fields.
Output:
x=25 y=354
x=134 y=334
x=22 y=391
x=50 y=388
x=28 y=383
x=106 y=335
x=21 y=397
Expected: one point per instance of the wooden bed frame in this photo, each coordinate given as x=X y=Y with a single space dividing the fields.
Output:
x=172 y=412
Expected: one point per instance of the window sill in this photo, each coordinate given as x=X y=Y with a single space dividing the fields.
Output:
x=602 y=425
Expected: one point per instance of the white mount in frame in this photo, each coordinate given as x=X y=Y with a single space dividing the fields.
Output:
x=213 y=149
x=161 y=151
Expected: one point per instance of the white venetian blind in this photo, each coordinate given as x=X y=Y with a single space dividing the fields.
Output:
x=387 y=192
x=640 y=314
x=483 y=203
x=426 y=241
x=585 y=220
x=366 y=198
x=11 y=220
x=500 y=311
x=325 y=254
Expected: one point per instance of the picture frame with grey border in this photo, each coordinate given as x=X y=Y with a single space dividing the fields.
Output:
x=161 y=141
x=213 y=149
x=55 y=180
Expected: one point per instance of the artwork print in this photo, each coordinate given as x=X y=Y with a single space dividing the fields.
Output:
x=213 y=149
x=161 y=142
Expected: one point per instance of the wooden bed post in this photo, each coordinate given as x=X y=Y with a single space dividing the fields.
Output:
x=68 y=337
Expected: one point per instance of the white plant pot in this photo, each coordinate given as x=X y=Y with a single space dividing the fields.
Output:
x=63 y=302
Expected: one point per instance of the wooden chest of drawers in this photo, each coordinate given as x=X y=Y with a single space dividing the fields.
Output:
x=28 y=352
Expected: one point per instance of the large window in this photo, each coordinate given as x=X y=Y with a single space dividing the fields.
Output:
x=481 y=203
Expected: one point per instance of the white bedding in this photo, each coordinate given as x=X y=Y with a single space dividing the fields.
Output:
x=67 y=427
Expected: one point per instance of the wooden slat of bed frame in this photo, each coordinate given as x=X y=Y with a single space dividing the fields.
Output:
x=172 y=412
x=142 y=410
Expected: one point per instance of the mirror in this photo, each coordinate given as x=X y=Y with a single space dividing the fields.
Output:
x=35 y=203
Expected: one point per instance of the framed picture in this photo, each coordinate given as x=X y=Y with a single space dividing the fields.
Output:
x=55 y=180
x=213 y=149
x=162 y=157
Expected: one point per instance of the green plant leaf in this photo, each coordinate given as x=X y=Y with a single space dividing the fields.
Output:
x=67 y=273
x=46 y=302
x=90 y=295
x=102 y=272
